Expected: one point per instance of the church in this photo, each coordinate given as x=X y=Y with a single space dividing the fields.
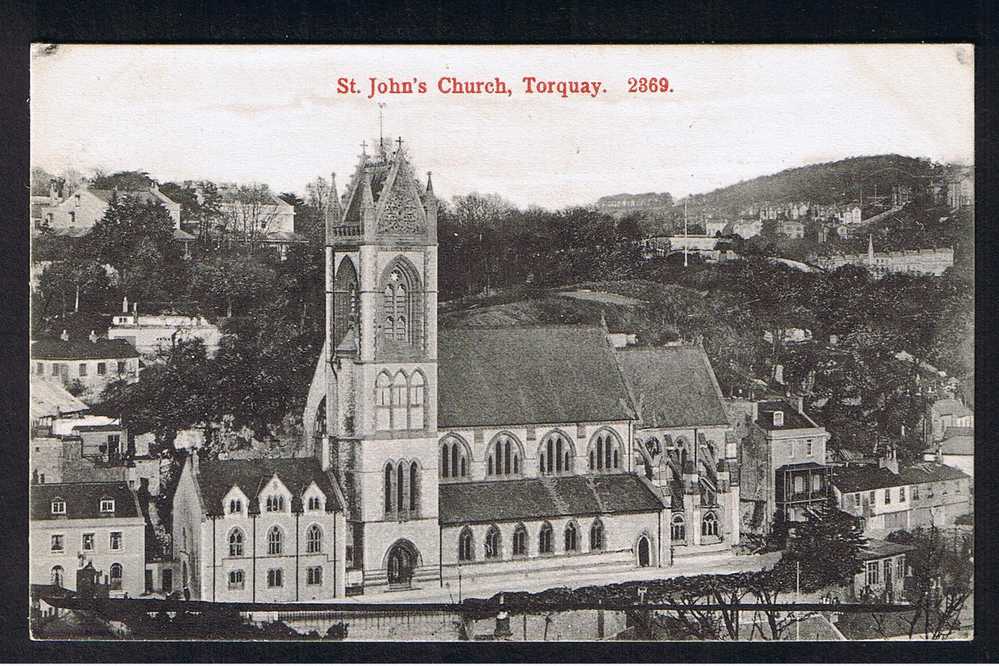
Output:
x=481 y=453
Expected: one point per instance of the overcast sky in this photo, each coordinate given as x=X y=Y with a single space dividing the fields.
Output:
x=272 y=114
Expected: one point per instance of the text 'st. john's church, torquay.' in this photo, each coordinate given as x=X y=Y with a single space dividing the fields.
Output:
x=487 y=453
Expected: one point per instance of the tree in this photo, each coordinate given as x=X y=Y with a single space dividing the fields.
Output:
x=248 y=213
x=136 y=239
x=941 y=581
x=125 y=181
x=73 y=285
x=827 y=546
x=229 y=283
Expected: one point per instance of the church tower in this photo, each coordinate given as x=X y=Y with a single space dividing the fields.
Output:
x=381 y=368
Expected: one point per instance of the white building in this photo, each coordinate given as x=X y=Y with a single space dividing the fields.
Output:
x=73 y=524
x=151 y=334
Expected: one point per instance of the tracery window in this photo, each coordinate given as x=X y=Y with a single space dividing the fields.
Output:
x=275 y=541
x=545 y=539
x=505 y=456
x=605 y=452
x=454 y=459
x=678 y=529
x=400 y=307
x=571 y=538
x=709 y=525
x=520 y=541
x=466 y=546
x=236 y=543
x=314 y=540
x=555 y=454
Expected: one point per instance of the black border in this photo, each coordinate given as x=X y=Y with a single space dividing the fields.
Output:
x=473 y=21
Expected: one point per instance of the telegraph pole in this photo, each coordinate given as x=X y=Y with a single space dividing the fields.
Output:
x=685 y=242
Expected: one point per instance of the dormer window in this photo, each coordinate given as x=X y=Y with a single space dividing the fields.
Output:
x=315 y=503
x=235 y=506
x=778 y=419
x=58 y=507
x=107 y=505
x=275 y=503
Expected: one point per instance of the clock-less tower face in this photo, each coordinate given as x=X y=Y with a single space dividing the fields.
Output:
x=382 y=375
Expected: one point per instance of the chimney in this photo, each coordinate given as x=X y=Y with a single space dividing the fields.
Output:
x=53 y=192
x=778 y=419
x=93 y=337
x=755 y=410
x=124 y=305
x=195 y=465
x=65 y=336
x=799 y=402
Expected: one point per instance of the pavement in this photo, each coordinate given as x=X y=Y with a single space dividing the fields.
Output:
x=431 y=592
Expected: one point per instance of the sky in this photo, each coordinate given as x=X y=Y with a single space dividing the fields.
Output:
x=273 y=114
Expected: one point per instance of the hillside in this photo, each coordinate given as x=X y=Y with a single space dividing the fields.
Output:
x=657 y=313
x=825 y=183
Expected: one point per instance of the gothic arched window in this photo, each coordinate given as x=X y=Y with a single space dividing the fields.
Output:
x=414 y=486
x=401 y=302
x=545 y=539
x=314 y=539
x=466 y=546
x=605 y=452
x=493 y=542
x=383 y=401
x=389 y=476
x=678 y=529
x=236 y=543
x=555 y=454
x=275 y=541
x=571 y=538
x=400 y=390
x=597 y=535
x=520 y=541
x=709 y=525
x=400 y=488
x=505 y=456
x=454 y=458
x=344 y=299
x=417 y=397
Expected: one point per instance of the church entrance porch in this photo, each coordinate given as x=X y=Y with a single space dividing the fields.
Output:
x=402 y=562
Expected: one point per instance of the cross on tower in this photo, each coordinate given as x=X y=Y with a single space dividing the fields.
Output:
x=399 y=142
x=364 y=145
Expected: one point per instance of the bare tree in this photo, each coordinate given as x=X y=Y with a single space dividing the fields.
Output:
x=248 y=211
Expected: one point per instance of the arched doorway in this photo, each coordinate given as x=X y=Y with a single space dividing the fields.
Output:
x=401 y=563
x=644 y=549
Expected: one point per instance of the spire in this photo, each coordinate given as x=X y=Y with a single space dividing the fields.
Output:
x=430 y=183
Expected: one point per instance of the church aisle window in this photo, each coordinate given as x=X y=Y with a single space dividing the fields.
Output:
x=493 y=540
x=466 y=546
x=545 y=546
x=678 y=529
x=520 y=541
x=571 y=538
x=597 y=535
x=709 y=525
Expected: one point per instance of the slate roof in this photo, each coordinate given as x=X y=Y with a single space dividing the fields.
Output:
x=83 y=500
x=928 y=472
x=82 y=349
x=546 y=497
x=143 y=196
x=877 y=548
x=49 y=398
x=217 y=477
x=672 y=387
x=528 y=375
x=793 y=419
x=867 y=477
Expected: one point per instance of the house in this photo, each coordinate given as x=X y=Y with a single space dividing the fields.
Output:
x=86 y=206
x=485 y=454
x=151 y=335
x=957 y=449
x=259 y=530
x=782 y=464
x=882 y=574
x=946 y=413
x=255 y=213
x=87 y=364
x=793 y=228
x=93 y=523
x=875 y=494
x=50 y=401
x=939 y=493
